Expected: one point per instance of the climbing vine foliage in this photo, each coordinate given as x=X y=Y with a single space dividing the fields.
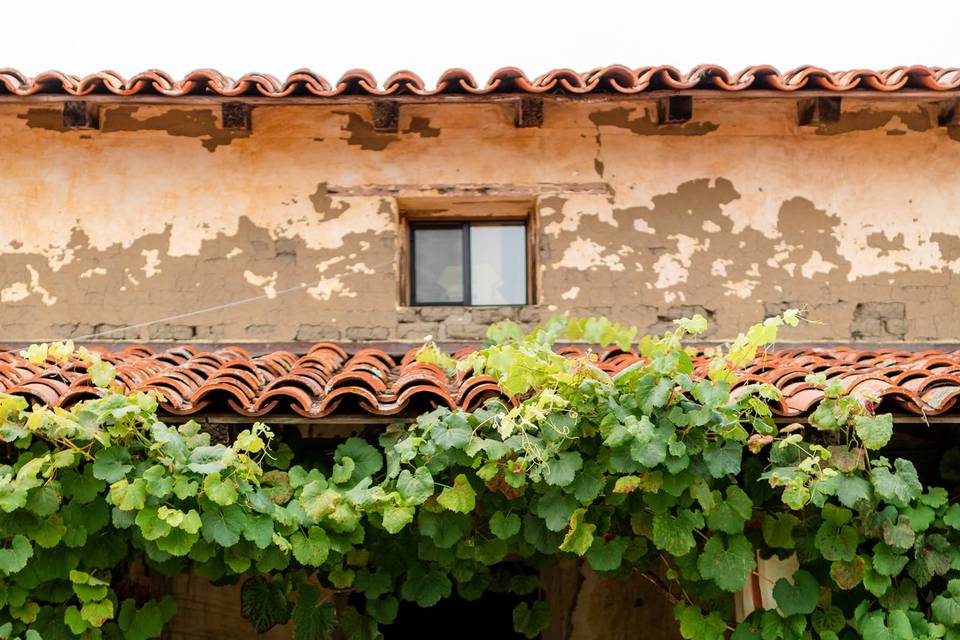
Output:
x=654 y=472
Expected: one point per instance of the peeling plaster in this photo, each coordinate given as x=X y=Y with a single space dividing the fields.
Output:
x=152 y=264
x=571 y=293
x=583 y=254
x=267 y=283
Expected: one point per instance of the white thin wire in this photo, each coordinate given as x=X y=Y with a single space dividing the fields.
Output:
x=219 y=307
x=227 y=305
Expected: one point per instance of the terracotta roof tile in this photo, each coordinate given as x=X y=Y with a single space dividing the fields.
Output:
x=614 y=79
x=326 y=380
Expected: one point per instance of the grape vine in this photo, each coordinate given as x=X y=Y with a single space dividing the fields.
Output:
x=652 y=472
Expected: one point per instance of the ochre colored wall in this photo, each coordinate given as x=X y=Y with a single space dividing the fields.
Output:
x=736 y=214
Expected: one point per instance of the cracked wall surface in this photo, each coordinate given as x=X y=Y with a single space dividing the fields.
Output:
x=288 y=231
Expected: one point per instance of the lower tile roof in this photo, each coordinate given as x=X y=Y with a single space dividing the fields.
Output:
x=327 y=381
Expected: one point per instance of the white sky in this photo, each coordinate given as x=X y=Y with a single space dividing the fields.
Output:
x=427 y=36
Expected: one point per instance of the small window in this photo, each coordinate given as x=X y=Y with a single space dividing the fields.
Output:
x=468 y=263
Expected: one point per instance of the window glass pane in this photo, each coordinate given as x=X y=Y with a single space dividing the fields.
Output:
x=438 y=268
x=498 y=264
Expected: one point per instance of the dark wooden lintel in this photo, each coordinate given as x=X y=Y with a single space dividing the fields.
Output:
x=529 y=112
x=80 y=114
x=386 y=116
x=235 y=116
x=674 y=109
x=817 y=111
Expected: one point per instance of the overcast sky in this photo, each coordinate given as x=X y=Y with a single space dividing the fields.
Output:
x=427 y=36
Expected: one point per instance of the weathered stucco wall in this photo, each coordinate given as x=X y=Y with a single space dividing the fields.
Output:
x=736 y=214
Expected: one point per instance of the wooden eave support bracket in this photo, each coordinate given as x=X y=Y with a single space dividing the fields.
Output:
x=812 y=112
x=386 y=116
x=948 y=113
x=235 y=116
x=529 y=112
x=674 y=109
x=80 y=114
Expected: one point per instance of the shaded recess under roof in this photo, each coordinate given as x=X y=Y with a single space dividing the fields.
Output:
x=614 y=79
x=325 y=381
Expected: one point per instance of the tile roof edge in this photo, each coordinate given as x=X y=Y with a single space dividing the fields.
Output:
x=612 y=80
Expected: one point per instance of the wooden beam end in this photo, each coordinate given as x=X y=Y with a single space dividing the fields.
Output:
x=529 y=112
x=386 y=116
x=80 y=114
x=674 y=109
x=812 y=112
x=235 y=116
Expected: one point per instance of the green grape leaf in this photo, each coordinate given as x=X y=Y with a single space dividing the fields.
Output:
x=357 y=626
x=728 y=565
x=223 y=526
x=829 y=620
x=343 y=471
x=383 y=610
x=426 y=588
x=112 y=464
x=900 y=535
x=852 y=489
x=312 y=620
x=81 y=488
x=555 y=508
x=674 y=534
x=607 y=556
x=874 y=431
x=444 y=529
x=899 y=487
x=15 y=558
x=102 y=374
x=310 y=550
x=147 y=621
x=221 y=492
x=723 y=459
x=887 y=561
x=696 y=626
x=460 y=497
x=396 y=518
x=837 y=543
x=504 y=525
x=367 y=460
x=415 y=488
x=531 y=621
x=562 y=470
x=589 y=483
x=777 y=529
x=872 y=626
x=799 y=596
x=150 y=524
x=580 y=536
x=848 y=574
x=732 y=514
x=209 y=459
x=258 y=529
x=263 y=602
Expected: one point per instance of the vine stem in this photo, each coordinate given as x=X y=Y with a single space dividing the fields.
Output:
x=660 y=586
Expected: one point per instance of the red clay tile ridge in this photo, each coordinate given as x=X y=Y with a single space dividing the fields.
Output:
x=327 y=382
x=614 y=79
